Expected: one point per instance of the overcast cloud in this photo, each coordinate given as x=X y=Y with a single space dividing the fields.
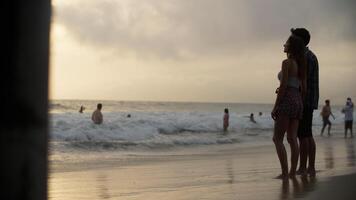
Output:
x=182 y=28
x=199 y=50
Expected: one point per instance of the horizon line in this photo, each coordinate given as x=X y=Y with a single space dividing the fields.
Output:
x=163 y=101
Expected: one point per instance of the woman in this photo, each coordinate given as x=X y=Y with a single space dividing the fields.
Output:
x=289 y=107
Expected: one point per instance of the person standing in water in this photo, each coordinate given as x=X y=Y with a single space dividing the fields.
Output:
x=226 y=119
x=81 y=109
x=97 y=116
x=252 y=118
x=348 y=111
x=325 y=114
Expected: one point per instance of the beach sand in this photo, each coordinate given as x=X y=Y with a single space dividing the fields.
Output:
x=206 y=172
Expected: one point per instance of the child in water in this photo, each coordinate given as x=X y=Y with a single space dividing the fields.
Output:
x=82 y=108
x=252 y=119
x=226 y=119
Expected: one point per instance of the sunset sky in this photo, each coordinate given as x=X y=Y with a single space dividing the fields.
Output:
x=195 y=50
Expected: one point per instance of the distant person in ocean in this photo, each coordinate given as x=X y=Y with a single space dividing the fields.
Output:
x=310 y=103
x=260 y=114
x=81 y=109
x=325 y=114
x=288 y=107
x=128 y=116
x=226 y=119
x=348 y=110
x=97 y=116
x=252 y=119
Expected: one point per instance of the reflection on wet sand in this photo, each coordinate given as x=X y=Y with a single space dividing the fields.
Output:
x=230 y=171
x=329 y=155
x=245 y=173
x=284 y=189
x=350 y=150
x=300 y=187
x=102 y=186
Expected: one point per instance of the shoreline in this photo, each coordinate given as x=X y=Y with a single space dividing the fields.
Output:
x=219 y=172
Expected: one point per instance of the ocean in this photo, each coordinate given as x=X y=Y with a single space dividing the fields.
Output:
x=160 y=126
x=171 y=150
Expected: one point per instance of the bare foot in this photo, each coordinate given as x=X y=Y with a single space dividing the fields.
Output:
x=301 y=172
x=311 y=172
x=282 y=176
x=292 y=175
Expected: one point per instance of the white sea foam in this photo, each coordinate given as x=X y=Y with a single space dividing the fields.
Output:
x=160 y=128
x=157 y=125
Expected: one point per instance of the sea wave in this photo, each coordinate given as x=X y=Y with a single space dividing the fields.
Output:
x=160 y=129
x=154 y=128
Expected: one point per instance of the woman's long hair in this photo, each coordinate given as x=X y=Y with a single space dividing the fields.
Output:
x=296 y=50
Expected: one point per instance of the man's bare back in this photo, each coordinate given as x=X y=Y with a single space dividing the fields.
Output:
x=97 y=117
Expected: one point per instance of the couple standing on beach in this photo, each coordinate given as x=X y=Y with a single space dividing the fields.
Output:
x=297 y=98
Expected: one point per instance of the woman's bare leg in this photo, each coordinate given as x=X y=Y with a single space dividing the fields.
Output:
x=292 y=140
x=280 y=128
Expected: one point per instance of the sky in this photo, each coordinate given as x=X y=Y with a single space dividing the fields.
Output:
x=195 y=50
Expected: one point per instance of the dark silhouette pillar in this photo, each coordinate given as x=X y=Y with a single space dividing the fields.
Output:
x=25 y=27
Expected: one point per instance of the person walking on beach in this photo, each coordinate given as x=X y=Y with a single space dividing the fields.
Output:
x=289 y=106
x=97 y=116
x=348 y=110
x=325 y=114
x=226 y=119
x=310 y=103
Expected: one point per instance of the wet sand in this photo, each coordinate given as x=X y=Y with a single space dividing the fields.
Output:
x=208 y=172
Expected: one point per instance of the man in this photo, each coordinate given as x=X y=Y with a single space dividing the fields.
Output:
x=310 y=103
x=97 y=117
x=348 y=111
x=325 y=114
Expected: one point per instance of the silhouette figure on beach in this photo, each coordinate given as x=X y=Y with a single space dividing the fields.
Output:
x=325 y=114
x=310 y=103
x=348 y=111
x=288 y=106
